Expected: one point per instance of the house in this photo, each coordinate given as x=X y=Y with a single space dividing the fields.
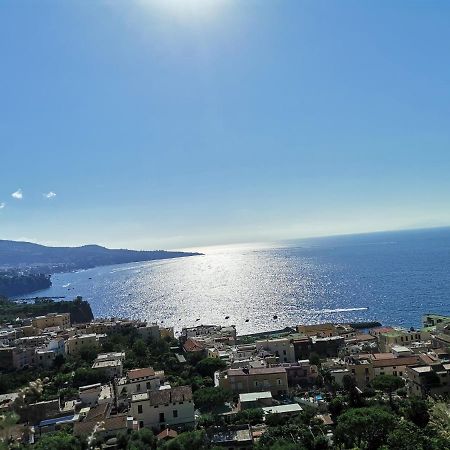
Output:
x=360 y=368
x=400 y=337
x=192 y=345
x=173 y=407
x=435 y=321
x=282 y=348
x=112 y=368
x=232 y=438
x=273 y=379
x=255 y=400
x=61 y=320
x=110 y=363
x=394 y=366
x=210 y=334
x=75 y=344
x=320 y=330
x=285 y=410
x=301 y=373
x=89 y=394
x=140 y=380
x=427 y=380
x=337 y=375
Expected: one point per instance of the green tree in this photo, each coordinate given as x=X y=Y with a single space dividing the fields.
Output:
x=417 y=412
x=406 y=436
x=210 y=397
x=365 y=428
x=188 y=441
x=60 y=440
x=207 y=366
x=336 y=406
x=388 y=384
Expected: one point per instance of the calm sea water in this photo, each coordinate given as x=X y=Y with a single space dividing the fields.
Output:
x=391 y=277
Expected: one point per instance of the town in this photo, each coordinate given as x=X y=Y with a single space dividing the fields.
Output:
x=127 y=384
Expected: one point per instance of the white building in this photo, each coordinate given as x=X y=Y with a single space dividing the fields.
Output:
x=164 y=408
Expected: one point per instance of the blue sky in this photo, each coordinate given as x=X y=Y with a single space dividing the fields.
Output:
x=180 y=123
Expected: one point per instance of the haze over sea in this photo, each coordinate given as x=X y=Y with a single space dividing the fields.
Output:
x=392 y=277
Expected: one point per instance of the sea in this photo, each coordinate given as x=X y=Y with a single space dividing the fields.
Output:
x=390 y=277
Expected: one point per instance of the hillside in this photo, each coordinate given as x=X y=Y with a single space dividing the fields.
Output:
x=15 y=254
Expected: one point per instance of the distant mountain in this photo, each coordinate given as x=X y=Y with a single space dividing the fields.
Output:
x=26 y=255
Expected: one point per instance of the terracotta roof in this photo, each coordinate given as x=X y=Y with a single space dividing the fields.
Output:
x=398 y=362
x=83 y=428
x=379 y=356
x=192 y=345
x=364 y=337
x=115 y=423
x=140 y=373
x=98 y=412
x=167 y=434
x=256 y=371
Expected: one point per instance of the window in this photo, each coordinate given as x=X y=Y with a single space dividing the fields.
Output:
x=175 y=413
x=279 y=381
x=141 y=424
x=256 y=384
x=284 y=352
x=139 y=409
x=161 y=417
x=138 y=387
x=149 y=385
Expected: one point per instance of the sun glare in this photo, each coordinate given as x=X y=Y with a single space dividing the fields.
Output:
x=186 y=10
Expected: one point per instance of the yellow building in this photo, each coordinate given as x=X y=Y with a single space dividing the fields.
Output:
x=52 y=320
x=321 y=330
x=76 y=344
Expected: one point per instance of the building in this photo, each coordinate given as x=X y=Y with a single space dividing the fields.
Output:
x=360 y=368
x=435 y=321
x=255 y=400
x=431 y=380
x=89 y=394
x=301 y=373
x=61 y=320
x=337 y=375
x=394 y=366
x=327 y=347
x=400 y=337
x=320 y=330
x=285 y=410
x=282 y=348
x=110 y=363
x=173 y=407
x=75 y=344
x=273 y=379
x=210 y=334
x=140 y=380
x=232 y=438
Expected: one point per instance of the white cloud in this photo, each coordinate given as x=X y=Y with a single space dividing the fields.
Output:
x=18 y=195
x=50 y=194
x=2 y=205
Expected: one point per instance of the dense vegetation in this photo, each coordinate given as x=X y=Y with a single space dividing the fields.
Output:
x=80 y=310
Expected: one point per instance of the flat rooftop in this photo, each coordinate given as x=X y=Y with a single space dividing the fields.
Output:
x=283 y=409
x=254 y=396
